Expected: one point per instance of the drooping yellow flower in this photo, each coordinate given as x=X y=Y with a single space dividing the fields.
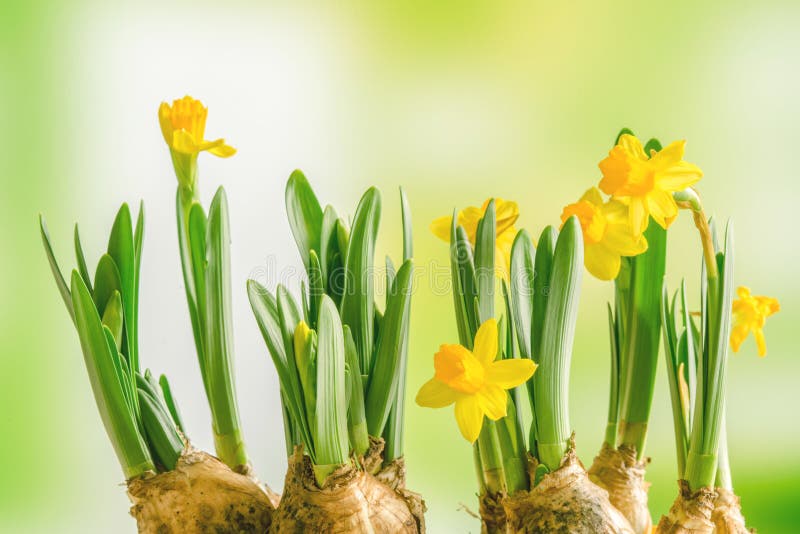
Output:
x=474 y=381
x=750 y=312
x=646 y=183
x=607 y=233
x=183 y=125
x=506 y=214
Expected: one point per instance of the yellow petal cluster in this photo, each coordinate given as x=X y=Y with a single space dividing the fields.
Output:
x=183 y=125
x=607 y=233
x=474 y=381
x=750 y=313
x=506 y=214
x=646 y=182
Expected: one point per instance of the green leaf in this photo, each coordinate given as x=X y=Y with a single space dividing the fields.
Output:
x=543 y=267
x=551 y=387
x=114 y=411
x=405 y=211
x=138 y=242
x=484 y=263
x=121 y=249
x=652 y=144
x=522 y=275
x=172 y=406
x=197 y=231
x=81 y=259
x=107 y=280
x=624 y=131
x=165 y=442
x=316 y=286
x=113 y=317
x=358 y=300
x=382 y=387
x=465 y=285
x=305 y=215
x=265 y=309
x=356 y=418
x=330 y=433
x=328 y=244
x=60 y=282
x=219 y=330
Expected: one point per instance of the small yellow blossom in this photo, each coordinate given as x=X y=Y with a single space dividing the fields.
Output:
x=750 y=312
x=607 y=233
x=506 y=214
x=646 y=183
x=474 y=381
x=183 y=125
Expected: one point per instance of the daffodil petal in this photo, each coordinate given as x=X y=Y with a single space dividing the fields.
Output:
x=493 y=401
x=510 y=373
x=593 y=196
x=164 y=121
x=638 y=215
x=469 y=417
x=182 y=141
x=761 y=343
x=602 y=262
x=633 y=146
x=621 y=238
x=738 y=335
x=436 y=394
x=662 y=207
x=441 y=228
x=678 y=176
x=485 y=346
x=670 y=154
x=222 y=151
x=506 y=214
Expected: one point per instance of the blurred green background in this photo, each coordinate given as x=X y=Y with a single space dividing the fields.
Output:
x=456 y=101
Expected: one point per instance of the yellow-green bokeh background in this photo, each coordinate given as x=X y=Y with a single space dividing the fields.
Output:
x=456 y=101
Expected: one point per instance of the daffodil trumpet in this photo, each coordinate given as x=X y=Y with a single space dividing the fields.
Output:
x=341 y=364
x=696 y=366
x=172 y=486
x=204 y=245
x=539 y=485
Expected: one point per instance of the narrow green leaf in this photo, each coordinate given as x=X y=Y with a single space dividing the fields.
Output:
x=358 y=300
x=51 y=258
x=624 y=131
x=113 y=317
x=121 y=249
x=468 y=284
x=328 y=244
x=165 y=442
x=316 y=286
x=305 y=215
x=331 y=436
x=382 y=387
x=522 y=274
x=405 y=211
x=172 y=406
x=81 y=259
x=117 y=417
x=356 y=418
x=107 y=280
x=138 y=242
x=543 y=267
x=265 y=309
x=197 y=247
x=484 y=263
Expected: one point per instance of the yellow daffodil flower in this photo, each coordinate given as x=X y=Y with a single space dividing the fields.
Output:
x=506 y=214
x=607 y=233
x=474 y=381
x=646 y=183
x=750 y=312
x=183 y=126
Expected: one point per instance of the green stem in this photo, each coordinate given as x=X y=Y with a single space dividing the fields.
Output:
x=492 y=459
x=723 y=479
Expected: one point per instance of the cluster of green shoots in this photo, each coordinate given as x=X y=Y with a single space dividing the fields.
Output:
x=696 y=366
x=341 y=362
x=139 y=414
x=541 y=305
